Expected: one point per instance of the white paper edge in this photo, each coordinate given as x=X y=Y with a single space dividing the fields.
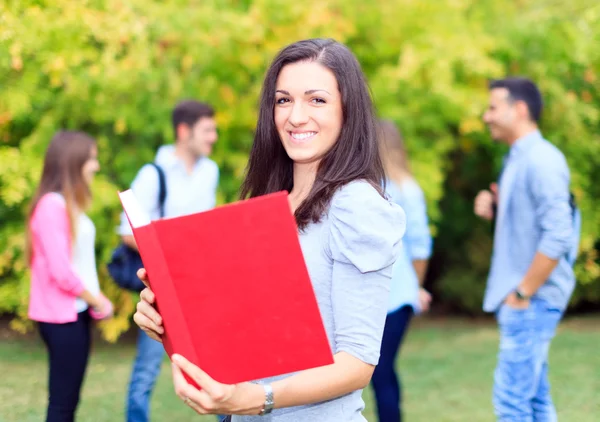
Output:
x=135 y=213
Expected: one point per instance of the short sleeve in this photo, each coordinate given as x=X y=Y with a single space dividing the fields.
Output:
x=417 y=239
x=365 y=238
x=366 y=229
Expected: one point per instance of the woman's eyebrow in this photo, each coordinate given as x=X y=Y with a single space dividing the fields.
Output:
x=309 y=92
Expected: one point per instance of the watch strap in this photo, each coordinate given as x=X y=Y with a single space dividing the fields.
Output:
x=269 y=403
x=520 y=295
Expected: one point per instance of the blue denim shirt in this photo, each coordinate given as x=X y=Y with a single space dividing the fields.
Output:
x=533 y=215
x=416 y=244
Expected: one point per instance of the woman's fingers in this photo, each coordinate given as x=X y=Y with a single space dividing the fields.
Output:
x=427 y=295
x=148 y=295
x=217 y=391
x=424 y=299
x=150 y=312
x=149 y=326
x=147 y=317
x=199 y=400
x=153 y=335
x=143 y=275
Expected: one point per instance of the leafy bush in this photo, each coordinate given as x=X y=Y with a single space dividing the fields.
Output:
x=115 y=68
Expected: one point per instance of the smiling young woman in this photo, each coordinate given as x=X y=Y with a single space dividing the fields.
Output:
x=316 y=138
x=308 y=111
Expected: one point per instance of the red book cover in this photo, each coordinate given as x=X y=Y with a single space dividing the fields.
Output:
x=233 y=289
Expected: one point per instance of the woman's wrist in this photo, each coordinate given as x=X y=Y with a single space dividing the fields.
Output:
x=269 y=400
x=255 y=398
x=97 y=305
x=101 y=303
x=92 y=300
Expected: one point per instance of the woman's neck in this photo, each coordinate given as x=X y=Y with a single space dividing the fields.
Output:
x=304 y=178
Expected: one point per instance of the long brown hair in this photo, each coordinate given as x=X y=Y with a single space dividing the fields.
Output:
x=63 y=164
x=393 y=151
x=354 y=156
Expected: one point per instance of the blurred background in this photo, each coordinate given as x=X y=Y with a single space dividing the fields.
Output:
x=116 y=68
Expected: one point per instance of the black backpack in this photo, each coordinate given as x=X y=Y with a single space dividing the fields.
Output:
x=125 y=261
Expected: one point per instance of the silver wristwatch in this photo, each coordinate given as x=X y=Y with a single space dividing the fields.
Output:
x=521 y=295
x=269 y=403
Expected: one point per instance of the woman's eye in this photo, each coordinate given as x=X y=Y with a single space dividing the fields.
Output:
x=282 y=100
x=318 y=100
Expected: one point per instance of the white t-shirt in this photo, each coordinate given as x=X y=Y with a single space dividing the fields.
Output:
x=84 y=258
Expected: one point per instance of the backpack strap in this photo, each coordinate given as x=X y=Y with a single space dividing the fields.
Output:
x=162 y=189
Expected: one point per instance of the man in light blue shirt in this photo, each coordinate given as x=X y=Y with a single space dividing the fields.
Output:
x=191 y=185
x=531 y=276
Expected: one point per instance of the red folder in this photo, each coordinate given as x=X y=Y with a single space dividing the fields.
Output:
x=232 y=287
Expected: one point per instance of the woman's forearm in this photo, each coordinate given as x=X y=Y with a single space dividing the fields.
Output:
x=90 y=299
x=420 y=266
x=316 y=385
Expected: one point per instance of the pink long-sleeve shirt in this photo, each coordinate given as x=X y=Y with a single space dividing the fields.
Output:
x=55 y=285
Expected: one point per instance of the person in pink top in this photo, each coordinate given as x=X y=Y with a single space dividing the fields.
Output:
x=65 y=293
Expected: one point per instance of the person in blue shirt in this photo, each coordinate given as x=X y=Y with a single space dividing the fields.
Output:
x=535 y=243
x=191 y=184
x=407 y=295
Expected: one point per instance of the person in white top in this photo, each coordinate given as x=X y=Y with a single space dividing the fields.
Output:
x=191 y=186
x=84 y=258
x=65 y=291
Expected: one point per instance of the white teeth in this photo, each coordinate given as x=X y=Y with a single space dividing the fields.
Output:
x=301 y=136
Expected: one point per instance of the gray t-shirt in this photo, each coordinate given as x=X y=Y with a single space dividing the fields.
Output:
x=349 y=255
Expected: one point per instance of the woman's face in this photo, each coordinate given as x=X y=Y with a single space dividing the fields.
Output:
x=91 y=166
x=308 y=111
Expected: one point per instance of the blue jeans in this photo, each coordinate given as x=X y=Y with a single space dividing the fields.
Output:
x=521 y=386
x=146 y=368
x=385 y=381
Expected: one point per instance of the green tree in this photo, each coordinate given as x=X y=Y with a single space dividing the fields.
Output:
x=115 y=68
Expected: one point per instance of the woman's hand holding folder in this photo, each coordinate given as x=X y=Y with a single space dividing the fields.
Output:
x=213 y=397
x=146 y=316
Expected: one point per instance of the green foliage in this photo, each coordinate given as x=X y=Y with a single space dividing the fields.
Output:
x=115 y=68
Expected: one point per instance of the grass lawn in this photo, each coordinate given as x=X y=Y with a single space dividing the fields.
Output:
x=447 y=370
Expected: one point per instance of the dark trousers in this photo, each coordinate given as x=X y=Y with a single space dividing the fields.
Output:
x=386 y=383
x=68 y=350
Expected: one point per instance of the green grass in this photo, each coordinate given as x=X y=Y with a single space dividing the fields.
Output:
x=446 y=367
